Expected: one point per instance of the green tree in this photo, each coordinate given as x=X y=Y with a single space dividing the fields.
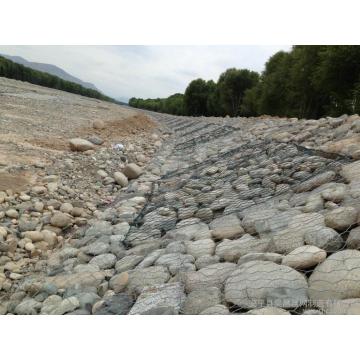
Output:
x=232 y=85
x=196 y=97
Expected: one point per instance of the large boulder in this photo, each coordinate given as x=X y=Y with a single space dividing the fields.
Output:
x=121 y=179
x=216 y=310
x=103 y=261
x=176 y=262
x=201 y=299
x=287 y=237
x=261 y=283
x=325 y=238
x=212 y=275
x=268 y=310
x=338 y=277
x=150 y=276
x=353 y=240
x=98 y=124
x=341 y=218
x=315 y=181
x=79 y=280
x=28 y=307
x=156 y=299
x=232 y=250
x=250 y=219
x=200 y=247
x=132 y=171
x=351 y=172
x=119 y=304
x=304 y=257
x=60 y=220
x=196 y=231
x=267 y=256
x=226 y=227
x=78 y=144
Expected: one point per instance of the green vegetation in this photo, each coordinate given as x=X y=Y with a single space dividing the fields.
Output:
x=308 y=81
x=16 y=71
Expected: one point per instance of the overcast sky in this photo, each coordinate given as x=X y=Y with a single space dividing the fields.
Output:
x=146 y=71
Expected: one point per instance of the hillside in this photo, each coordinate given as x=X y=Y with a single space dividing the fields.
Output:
x=50 y=69
x=12 y=70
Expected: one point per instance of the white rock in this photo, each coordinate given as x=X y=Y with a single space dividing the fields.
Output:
x=103 y=261
x=159 y=297
x=121 y=179
x=216 y=310
x=261 y=283
x=232 y=250
x=341 y=218
x=201 y=299
x=132 y=171
x=226 y=227
x=338 y=277
x=200 y=248
x=324 y=238
x=212 y=275
x=304 y=257
x=78 y=144
x=269 y=310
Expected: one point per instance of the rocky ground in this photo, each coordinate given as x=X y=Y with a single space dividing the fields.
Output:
x=194 y=216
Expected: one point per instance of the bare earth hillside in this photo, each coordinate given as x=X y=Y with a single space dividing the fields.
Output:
x=36 y=124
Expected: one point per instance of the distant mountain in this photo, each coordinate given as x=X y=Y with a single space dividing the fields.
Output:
x=50 y=69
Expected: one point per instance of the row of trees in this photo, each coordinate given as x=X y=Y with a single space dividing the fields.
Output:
x=308 y=81
x=16 y=71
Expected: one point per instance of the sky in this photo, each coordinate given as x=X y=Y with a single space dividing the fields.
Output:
x=146 y=71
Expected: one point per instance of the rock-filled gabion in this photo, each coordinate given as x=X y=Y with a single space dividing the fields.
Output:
x=231 y=216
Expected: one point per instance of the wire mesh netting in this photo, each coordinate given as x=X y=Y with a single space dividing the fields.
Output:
x=235 y=221
x=251 y=225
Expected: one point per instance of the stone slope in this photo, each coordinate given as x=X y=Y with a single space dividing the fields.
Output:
x=230 y=216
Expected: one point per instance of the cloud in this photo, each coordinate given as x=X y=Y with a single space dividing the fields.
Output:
x=146 y=71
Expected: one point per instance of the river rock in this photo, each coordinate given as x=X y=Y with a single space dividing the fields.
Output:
x=337 y=278
x=128 y=263
x=274 y=257
x=216 y=310
x=325 y=238
x=200 y=248
x=176 y=262
x=353 y=240
x=103 y=261
x=60 y=220
x=315 y=181
x=151 y=276
x=212 y=275
x=132 y=171
x=28 y=307
x=226 y=227
x=304 y=257
x=341 y=218
x=201 y=299
x=232 y=250
x=269 y=310
x=260 y=283
x=154 y=299
x=121 y=179
x=119 y=304
x=78 y=144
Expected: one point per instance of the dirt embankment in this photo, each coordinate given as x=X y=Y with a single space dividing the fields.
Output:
x=36 y=124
